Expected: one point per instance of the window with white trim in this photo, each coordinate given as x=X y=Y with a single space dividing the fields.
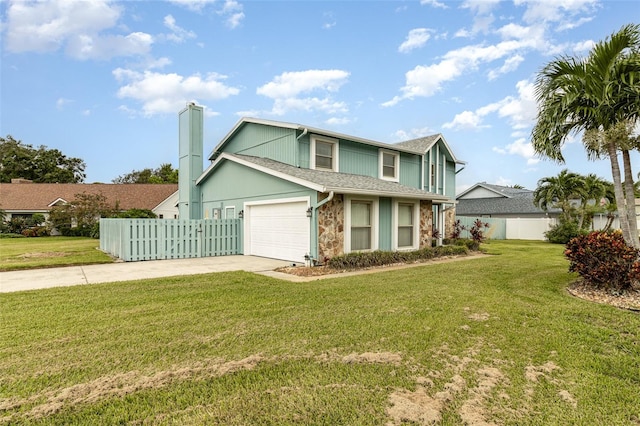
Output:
x=361 y=230
x=230 y=212
x=324 y=154
x=389 y=163
x=405 y=225
x=361 y=224
x=406 y=222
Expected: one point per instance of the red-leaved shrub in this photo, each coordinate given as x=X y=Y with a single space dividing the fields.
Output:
x=604 y=260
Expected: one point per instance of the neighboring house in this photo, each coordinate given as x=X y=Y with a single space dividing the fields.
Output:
x=24 y=198
x=495 y=201
x=311 y=194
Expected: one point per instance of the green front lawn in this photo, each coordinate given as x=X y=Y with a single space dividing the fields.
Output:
x=494 y=339
x=47 y=252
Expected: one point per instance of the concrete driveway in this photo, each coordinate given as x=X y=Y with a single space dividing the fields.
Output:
x=34 y=279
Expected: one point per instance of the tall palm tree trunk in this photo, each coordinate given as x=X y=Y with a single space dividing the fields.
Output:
x=617 y=188
x=631 y=202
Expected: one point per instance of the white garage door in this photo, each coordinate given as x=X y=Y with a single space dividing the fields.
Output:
x=279 y=230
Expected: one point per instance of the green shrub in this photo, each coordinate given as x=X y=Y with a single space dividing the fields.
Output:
x=358 y=260
x=563 y=232
x=11 y=235
x=604 y=260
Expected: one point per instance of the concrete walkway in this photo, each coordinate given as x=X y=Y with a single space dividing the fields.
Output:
x=33 y=279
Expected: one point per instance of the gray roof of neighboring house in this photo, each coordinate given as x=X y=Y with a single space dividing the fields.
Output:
x=325 y=181
x=505 y=191
x=514 y=201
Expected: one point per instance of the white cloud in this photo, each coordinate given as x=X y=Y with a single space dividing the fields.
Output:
x=502 y=181
x=483 y=18
x=62 y=102
x=425 y=81
x=556 y=11
x=434 y=3
x=287 y=88
x=416 y=132
x=524 y=149
x=178 y=34
x=233 y=12
x=330 y=21
x=519 y=111
x=338 y=121
x=510 y=64
x=194 y=5
x=85 y=47
x=416 y=38
x=48 y=26
x=168 y=93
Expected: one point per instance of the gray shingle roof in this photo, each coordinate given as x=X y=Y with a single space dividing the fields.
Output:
x=341 y=182
x=515 y=201
x=420 y=144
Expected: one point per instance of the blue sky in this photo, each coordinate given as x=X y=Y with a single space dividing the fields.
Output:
x=104 y=80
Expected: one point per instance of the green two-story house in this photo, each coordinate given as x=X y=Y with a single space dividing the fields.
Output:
x=310 y=194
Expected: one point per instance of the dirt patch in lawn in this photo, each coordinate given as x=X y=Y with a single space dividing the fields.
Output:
x=475 y=390
x=42 y=255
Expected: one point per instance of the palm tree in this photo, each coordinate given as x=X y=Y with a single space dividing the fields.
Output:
x=557 y=192
x=594 y=94
x=591 y=191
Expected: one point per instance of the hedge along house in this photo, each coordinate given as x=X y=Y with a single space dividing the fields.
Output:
x=308 y=194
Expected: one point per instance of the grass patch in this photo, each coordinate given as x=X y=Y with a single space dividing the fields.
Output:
x=48 y=252
x=495 y=339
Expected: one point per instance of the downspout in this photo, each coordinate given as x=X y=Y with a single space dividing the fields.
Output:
x=304 y=132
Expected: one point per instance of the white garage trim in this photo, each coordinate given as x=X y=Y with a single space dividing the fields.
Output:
x=278 y=229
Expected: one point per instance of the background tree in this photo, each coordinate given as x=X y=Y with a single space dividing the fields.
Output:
x=81 y=216
x=593 y=94
x=592 y=191
x=41 y=165
x=163 y=174
x=557 y=192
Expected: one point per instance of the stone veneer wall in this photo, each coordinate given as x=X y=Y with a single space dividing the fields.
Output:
x=426 y=223
x=449 y=220
x=331 y=229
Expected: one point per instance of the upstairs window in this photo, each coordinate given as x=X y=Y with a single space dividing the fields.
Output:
x=389 y=165
x=324 y=154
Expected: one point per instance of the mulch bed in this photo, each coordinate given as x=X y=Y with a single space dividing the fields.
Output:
x=628 y=300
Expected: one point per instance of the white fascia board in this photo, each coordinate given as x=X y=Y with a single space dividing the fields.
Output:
x=480 y=185
x=426 y=196
x=226 y=156
x=56 y=201
x=320 y=132
x=242 y=122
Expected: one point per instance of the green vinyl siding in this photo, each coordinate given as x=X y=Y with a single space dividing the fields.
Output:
x=260 y=140
x=450 y=184
x=248 y=185
x=410 y=170
x=385 y=223
x=358 y=159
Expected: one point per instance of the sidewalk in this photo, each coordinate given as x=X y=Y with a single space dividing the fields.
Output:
x=34 y=279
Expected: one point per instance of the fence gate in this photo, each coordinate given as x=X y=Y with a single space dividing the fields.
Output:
x=153 y=239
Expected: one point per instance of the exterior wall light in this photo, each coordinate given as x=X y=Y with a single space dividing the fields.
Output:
x=309 y=211
x=241 y=214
